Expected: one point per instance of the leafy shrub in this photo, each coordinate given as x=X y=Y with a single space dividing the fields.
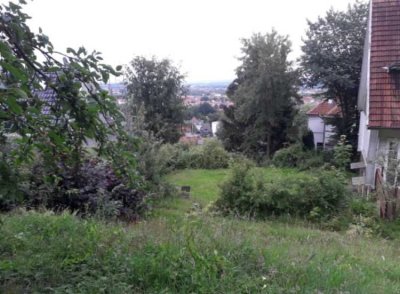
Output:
x=314 y=196
x=288 y=157
x=295 y=156
x=211 y=155
x=95 y=190
x=362 y=206
x=150 y=165
x=240 y=158
x=342 y=153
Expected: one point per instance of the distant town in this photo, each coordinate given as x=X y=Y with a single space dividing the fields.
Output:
x=213 y=93
x=205 y=102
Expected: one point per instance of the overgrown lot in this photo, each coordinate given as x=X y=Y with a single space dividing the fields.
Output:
x=179 y=249
x=45 y=253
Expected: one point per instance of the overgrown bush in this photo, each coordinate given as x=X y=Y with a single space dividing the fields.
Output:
x=96 y=190
x=342 y=153
x=295 y=156
x=315 y=196
x=211 y=155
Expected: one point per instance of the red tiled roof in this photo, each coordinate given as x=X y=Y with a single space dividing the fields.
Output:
x=384 y=103
x=325 y=109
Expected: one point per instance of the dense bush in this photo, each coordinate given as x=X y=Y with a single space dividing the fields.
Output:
x=95 y=190
x=295 y=156
x=314 y=196
x=211 y=155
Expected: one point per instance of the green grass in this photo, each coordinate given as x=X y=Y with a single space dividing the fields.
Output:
x=45 y=253
x=192 y=253
x=204 y=183
x=204 y=188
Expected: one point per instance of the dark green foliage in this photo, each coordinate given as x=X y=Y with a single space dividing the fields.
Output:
x=342 y=154
x=264 y=94
x=158 y=87
x=361 y=206
x=152 y=167
x=314 y=196
x=299 y=127
x=214 y=155
x=98 y=192
x=296 y=156
x=288 y=157
x=333 y=51
x=308 y=140
x=211 y=155
x=203 y=111
x=52 y=135
x=232 y=132
x=81 y=110
x=206 y=108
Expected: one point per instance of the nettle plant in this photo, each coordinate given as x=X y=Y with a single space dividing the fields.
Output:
x=58 y=129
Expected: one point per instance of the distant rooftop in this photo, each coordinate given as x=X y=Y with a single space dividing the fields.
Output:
x=327 y=108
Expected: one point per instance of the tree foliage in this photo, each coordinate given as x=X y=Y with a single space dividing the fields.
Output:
x=203 y=111
x=332 y=58
x=57 y=129
x=264 y=94
x=158 y=87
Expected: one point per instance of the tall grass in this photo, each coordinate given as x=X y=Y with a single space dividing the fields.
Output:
x=48 y=253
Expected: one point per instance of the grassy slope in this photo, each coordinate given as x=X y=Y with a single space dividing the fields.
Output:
x=192 y=254
x=204 y=188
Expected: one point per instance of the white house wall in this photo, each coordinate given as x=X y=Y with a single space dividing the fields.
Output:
x=363 y=136
x=371 y=159
x=316 y=125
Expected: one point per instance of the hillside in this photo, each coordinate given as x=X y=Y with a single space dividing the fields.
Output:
x=178 y=252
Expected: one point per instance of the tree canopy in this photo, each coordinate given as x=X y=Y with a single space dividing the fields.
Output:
x=332 y=59
x=203 y=111
x=264 y=95
x=158 y=87
x=52 y=102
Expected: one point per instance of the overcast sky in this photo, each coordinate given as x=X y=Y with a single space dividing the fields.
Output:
x=202 y=36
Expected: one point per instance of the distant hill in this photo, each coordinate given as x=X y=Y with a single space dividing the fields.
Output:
x=207 y=87
x=214 y=84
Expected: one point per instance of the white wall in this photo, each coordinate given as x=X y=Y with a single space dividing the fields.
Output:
x=214 y=127
x=363 y=136
x=316 y=125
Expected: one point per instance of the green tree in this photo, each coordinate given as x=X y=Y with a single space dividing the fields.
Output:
x=203 y=111
x=55 y=129
x=332 y=58
x=158 y=87
x=342 y=154
x=264 y=94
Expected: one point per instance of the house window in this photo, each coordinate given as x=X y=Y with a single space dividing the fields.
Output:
x=392 y=164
